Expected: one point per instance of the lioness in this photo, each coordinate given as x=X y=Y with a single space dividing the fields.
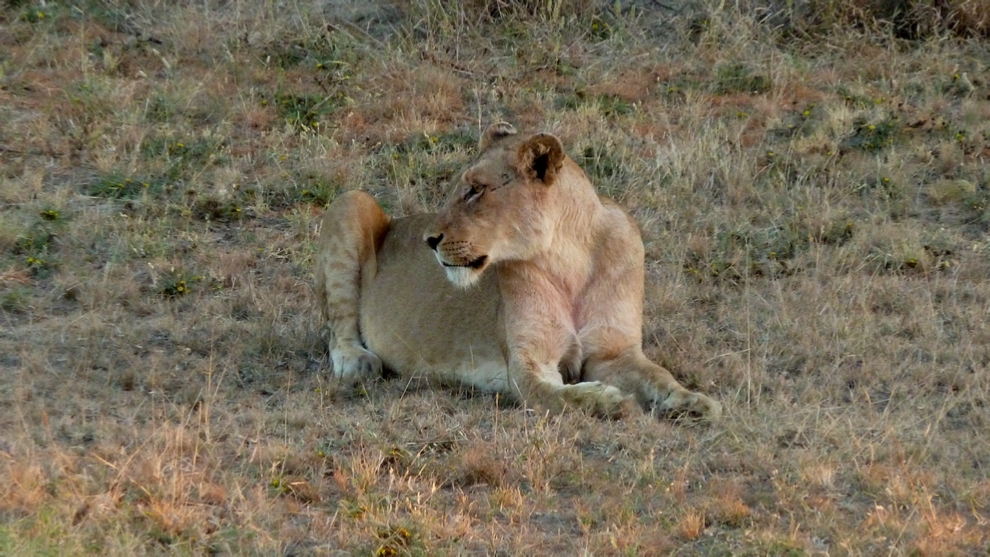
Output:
x=555 y=323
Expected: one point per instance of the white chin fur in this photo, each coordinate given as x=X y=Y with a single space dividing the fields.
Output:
x=462 y=277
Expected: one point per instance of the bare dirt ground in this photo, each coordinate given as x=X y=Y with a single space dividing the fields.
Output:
x=813 y=194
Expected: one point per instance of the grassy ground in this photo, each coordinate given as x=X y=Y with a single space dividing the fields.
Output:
x=814 y=202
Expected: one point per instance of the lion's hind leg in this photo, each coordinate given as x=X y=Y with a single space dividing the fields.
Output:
x=353 y=228
x=654 y=386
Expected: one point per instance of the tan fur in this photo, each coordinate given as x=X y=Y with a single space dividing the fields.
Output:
x=555 y=323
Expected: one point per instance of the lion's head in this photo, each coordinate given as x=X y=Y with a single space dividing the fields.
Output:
x=496 y=210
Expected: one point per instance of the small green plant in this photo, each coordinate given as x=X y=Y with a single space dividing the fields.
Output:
x=608 y=105
x=280 y=486
x=38 y=240
x=114 y=16
x=571 y=100
x=676 y=88
x=837 y=233
x=40 y=267
x=600 y=163
x=50 y=215
x=801 y=123
x=311 y=188
x=323 y=50
x=285 y=56
x=213 y=208
x=853 y=99
x=429 y=172
x=978 y=204
x=459 y=139
x=307 y=111
x=600 y=29
x=958 y=84
x=883 y=187
x=873 y=136
x=745 y=252
x=318 y=194
x=183 y=158
x=159 y=109
x=36 y=15
x=16 y=300
x=198 y=151
x=951 y=191
x=613 y=105
x=116 y=187
x=395 y=539
x=176 y=284
x=38 y=243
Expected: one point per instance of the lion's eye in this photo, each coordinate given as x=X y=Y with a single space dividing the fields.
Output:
x=473 y=191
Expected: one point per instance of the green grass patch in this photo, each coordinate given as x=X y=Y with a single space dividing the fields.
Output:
x=36 y=246
x=301 y=187
x=740 y=78
x=600 y=29
x=117 y=187
x=114 y=16
x=799 y=123
x=613 y=105
x=177 y=283
x=608 y=105
x=676 y=88
x=182 y=158
x=856 y=100
x=883 y=187
x=159 y=109
x=600 y=163
x=216 y=209
x=873 y=137
x=305 y=111
x=16 y=300
x=457 y=140
x=323 y=51
x=39 y=239
x=741 y=253
x=318 y=194
x=427 y=163
x=34 y=13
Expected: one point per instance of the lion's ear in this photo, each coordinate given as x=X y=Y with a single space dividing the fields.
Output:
x=541 y=157
x=496 y=131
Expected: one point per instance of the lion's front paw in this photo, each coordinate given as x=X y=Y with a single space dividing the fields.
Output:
x=692 y=404
x=354 y=363
x=599 y=399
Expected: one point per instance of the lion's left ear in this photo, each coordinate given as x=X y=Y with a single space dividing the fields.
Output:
x=540 y=157
x=495 y=132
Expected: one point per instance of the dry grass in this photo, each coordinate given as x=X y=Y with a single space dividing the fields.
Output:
x=815 y=208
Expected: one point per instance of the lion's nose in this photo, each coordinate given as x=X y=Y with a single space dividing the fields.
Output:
x=434 y=241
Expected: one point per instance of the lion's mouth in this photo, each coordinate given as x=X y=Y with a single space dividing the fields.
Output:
x=476 y=264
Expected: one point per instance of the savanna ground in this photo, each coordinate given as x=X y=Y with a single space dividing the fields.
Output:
x=812 y=185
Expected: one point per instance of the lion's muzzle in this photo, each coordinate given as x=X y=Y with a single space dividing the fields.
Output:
x=473 y=264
